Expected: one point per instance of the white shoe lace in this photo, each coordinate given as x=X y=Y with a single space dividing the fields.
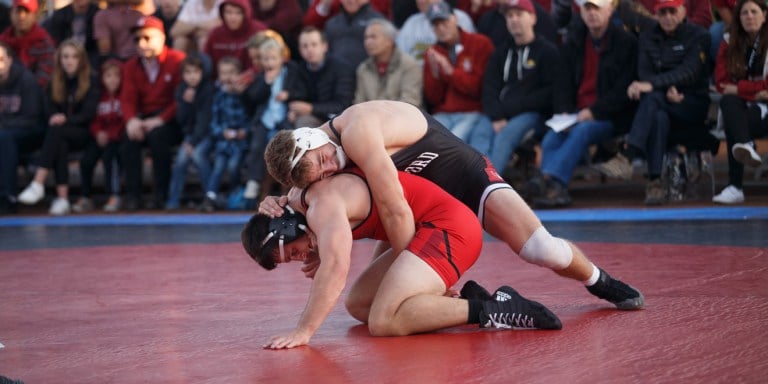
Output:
x=510 y=320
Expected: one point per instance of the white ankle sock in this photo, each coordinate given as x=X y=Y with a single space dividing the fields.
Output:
x=595 y=275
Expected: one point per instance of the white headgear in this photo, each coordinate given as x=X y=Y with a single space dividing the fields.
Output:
x=308 y=139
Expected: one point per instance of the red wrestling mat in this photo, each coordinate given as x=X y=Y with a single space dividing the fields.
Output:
x=200 y=313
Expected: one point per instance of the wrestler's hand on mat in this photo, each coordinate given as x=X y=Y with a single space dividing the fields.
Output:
x=272 y=206
x=289 y=340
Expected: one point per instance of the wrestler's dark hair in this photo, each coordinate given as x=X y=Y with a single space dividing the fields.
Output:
x=262 y=234
x=252 y=235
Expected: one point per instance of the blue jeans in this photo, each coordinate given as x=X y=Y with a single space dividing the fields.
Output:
x=198 y=158
x=473 y=128
x=229 y=161
x=13 y=143
x=562 y=151
x=508 y=139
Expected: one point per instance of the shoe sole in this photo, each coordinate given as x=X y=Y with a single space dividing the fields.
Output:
x=743 y=156
x=632 y=304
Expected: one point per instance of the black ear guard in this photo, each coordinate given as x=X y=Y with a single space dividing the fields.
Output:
x=283 y=230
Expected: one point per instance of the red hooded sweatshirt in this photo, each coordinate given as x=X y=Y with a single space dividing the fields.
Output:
x=223 y=41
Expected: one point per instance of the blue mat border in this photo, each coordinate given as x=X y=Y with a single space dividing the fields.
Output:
x=562 y=215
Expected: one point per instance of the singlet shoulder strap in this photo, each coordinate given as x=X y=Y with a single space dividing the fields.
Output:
x=333 y=129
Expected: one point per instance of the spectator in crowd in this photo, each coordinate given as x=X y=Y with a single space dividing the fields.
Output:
x=346 y=30
x=417 y=35
x=195 y=22
x=112 y=30
x=70 y=106
x=107 y=129
x=494 y=24
x=75 y=21
x=518 y=83
x=30 y=42
x=193 y=113
x=600 y=60
x=168 y=11
x=475 y=8
x=149 y=109
x=388 y=73
x=724 y=10
x=21 y=126
x=741 y=75
x=319 y=11
x=453 y=73
x=329 y=82
x=248 y=75
x=228 y=131
x=673 y=90
x=282 y=16
x=231 y=37
x=630 y=14
x=269 y=97
x=698 y=12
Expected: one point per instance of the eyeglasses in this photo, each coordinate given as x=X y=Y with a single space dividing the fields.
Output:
x=667 y=11
x=145 y=38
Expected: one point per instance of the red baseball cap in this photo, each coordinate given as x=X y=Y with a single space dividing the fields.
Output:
x=525 y=5
x=148 y=22
x=30 y=5
x=660 y=4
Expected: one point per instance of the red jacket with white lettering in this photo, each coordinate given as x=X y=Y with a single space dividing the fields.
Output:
x=461 y=91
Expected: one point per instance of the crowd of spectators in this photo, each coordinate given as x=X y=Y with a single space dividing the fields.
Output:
x=206 y=84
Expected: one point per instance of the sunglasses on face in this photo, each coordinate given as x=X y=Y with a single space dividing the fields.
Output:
x=144 y=38
x=667 y=11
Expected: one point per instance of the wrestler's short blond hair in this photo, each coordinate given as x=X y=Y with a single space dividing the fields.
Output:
x=278 y=156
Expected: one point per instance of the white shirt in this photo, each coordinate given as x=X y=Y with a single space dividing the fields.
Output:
x=417 y=35
x=193 y=12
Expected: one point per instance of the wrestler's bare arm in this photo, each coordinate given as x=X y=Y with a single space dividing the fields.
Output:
x=330 y=204
x=364 y=143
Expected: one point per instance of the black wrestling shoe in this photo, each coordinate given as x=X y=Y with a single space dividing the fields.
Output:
x=474 y=291
x=509 y=310
x=623 y=296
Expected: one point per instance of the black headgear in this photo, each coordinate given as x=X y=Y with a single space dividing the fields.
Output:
x=284 y=229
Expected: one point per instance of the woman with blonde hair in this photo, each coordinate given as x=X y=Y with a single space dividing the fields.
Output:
x=70 y=104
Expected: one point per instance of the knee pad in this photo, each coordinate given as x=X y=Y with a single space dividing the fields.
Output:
x=546 y=250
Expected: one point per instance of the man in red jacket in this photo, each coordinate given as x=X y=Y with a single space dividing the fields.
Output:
x=453 y=74
x=149 y=82
x=31 y=43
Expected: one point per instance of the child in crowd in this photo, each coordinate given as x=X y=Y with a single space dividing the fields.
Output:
x=249 y=74
x=229 y=130
x=268 y=96
x=231 y=37
x=193 y=113
x=70 y=105
x=107 y=130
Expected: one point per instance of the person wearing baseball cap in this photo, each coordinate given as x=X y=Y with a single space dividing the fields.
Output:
x=599 y=60
x=453 y=72
x=673 y=83
x=30 y=42
x=149 y=109
x=518 y=83
x=416 y=34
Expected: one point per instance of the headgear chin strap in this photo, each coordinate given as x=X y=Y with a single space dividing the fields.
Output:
x=308 y=139
x=286 y=228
